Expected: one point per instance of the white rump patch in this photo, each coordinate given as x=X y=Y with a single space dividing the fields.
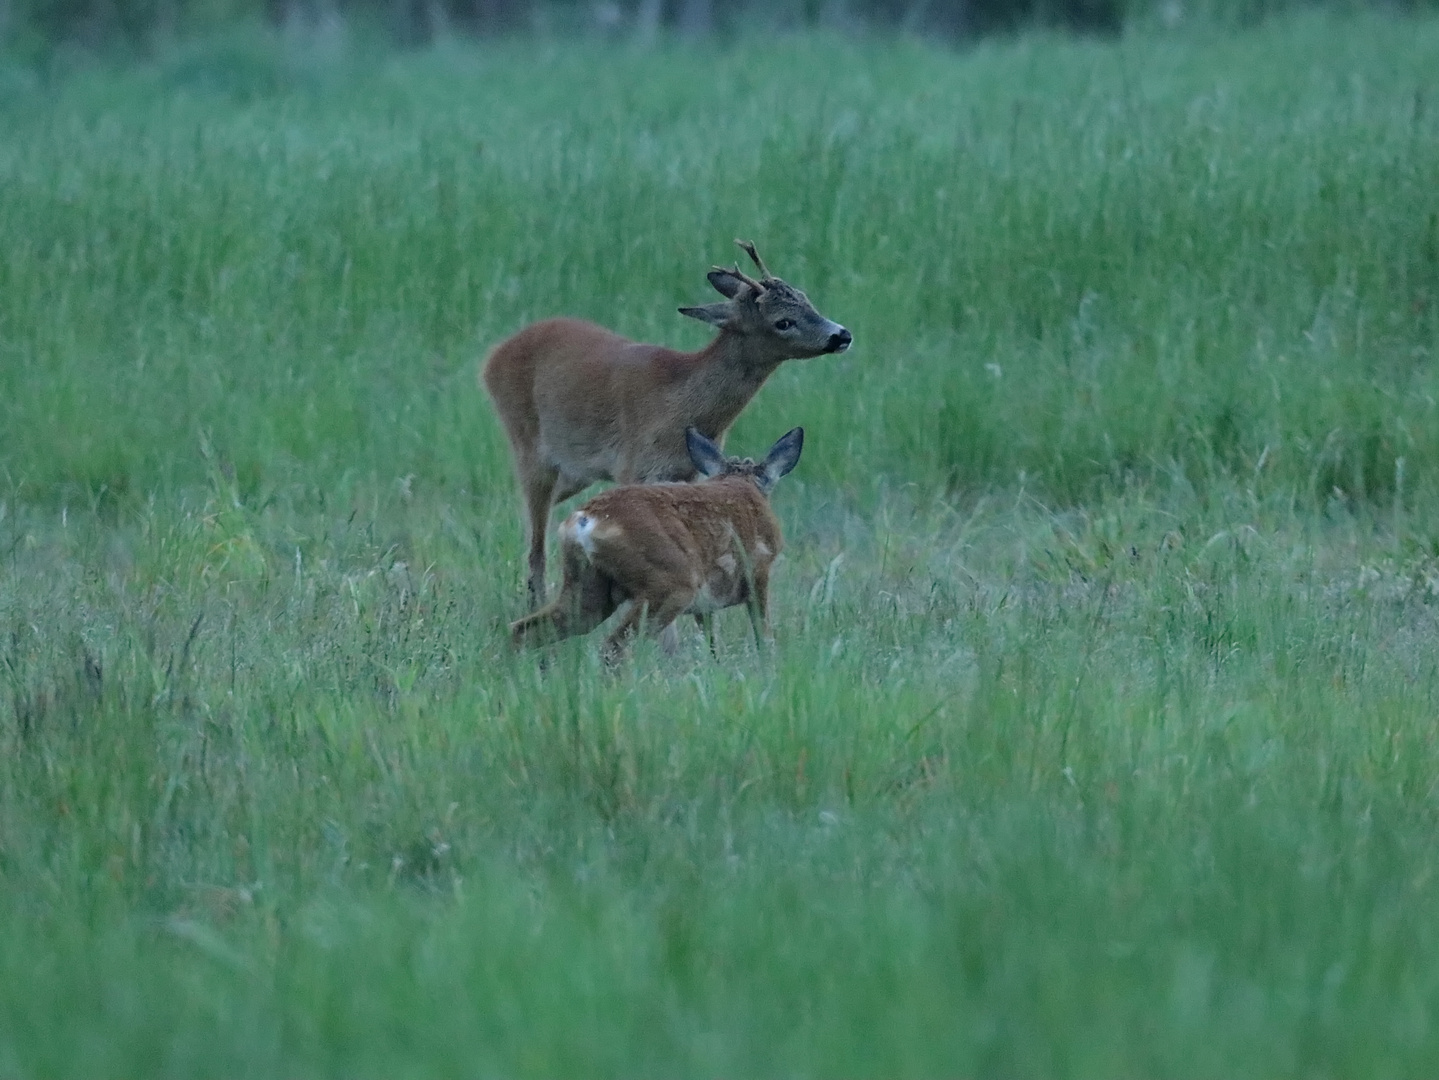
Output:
x=579 y=528
x=762 y=549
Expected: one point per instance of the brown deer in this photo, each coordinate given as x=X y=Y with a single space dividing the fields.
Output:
x=668 y=549
x=580 y=403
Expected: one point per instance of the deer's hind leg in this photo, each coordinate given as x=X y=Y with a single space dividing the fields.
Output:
x=538 y=483
x=544 y=486
x=657 y=614
x=587 y=598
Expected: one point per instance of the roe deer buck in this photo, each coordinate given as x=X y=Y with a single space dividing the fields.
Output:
x=670 y=548
x=580 y=403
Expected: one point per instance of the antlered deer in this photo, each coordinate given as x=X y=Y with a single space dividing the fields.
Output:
x=669 y=549
x=580 y=403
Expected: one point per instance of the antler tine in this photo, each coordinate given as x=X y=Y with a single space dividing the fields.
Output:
x=749 y=250
x=737 y=272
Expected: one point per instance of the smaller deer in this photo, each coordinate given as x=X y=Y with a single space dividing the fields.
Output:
x=668 y=549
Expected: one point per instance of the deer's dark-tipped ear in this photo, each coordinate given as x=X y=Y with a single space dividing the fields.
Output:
x=783 y=456
x=715 y=314
x=707 y=457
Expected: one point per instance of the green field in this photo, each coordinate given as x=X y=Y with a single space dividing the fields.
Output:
x=1101 y=736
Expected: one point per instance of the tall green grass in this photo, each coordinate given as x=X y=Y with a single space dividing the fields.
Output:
x=1098 y=739
x=1080 y=262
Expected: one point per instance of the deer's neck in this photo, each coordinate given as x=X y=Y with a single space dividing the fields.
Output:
x=726 y=375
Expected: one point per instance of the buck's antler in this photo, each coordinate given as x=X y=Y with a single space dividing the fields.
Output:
x=753 y=254
x=757 y=286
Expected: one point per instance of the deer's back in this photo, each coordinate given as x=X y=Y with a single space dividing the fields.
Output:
x=595 y=405
x=678 y=535
x=557 y=359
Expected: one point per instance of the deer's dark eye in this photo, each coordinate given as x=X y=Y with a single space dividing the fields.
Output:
x=784 y=324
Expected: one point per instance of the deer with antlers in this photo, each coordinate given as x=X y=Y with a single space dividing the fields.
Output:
x=669 y=549
x=580 y=403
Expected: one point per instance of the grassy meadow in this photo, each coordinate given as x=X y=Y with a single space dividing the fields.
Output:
x=1101 y=737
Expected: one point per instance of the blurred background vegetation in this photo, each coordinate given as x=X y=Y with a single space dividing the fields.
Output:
x=33 y=29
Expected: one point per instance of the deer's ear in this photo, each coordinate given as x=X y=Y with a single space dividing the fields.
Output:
x=783 y=456
x=715 y=314
x=707 y=457
x=726 y=283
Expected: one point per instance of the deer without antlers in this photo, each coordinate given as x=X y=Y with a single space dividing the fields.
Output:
x=670 y=548
x=580 y=403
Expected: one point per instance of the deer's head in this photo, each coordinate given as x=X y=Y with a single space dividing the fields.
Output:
x=711 y=461
x=769 y=312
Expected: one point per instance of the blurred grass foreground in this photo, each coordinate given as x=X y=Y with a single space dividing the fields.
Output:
x=1100 y=735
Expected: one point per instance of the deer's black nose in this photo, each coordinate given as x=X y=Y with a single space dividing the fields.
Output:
x=840 y=341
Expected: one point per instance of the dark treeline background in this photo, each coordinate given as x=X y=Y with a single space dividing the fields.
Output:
x=35 y=26
x=138 y=22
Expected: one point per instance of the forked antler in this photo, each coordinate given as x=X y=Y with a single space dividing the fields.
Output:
x=753 y=254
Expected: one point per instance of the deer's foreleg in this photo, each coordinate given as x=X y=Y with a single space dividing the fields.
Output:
x=707 y=624
x=757 y=604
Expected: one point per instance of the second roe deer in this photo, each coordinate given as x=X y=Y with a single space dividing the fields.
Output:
x=580 y=403
x=668 y=549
